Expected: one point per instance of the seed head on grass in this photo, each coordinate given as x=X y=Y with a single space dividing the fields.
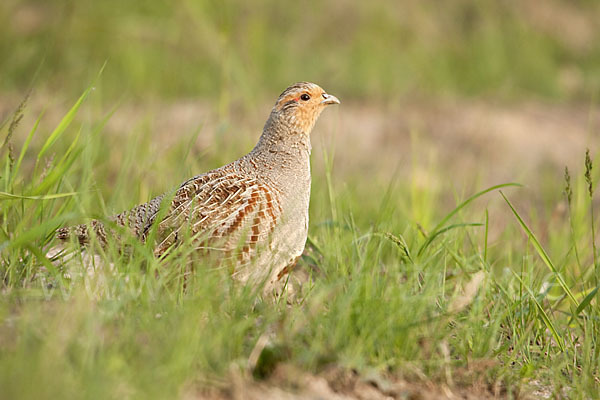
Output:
x=588 y=172
x=47 y=168
x=568 y=189
x=588 y=180
x=401 y=243
x=16 y=119
x=569 y=196
x=14 y=123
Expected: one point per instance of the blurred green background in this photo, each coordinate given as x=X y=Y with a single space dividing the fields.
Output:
x=242 y=50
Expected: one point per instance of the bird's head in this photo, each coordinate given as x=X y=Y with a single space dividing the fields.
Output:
x=300 y=105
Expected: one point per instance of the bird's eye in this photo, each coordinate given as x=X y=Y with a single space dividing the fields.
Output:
x=305 y=97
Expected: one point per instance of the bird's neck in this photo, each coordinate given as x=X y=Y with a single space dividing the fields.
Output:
x=282 y=154
x=284 y=137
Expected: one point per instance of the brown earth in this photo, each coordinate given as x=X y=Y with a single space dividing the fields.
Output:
x=289 y=383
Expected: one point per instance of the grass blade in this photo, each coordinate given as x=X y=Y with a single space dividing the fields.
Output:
x=56 y=173
x=68 y=118
x=32 y=235
x=543 y=314
x=438 y=232
x=25 y=147
x=542 y=253
x=586 y=301
x=487 y=226
x=10 y=196
x=469 y=200
x=63 y=125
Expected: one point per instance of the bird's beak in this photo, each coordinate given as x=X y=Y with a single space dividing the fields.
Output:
x=329 y=99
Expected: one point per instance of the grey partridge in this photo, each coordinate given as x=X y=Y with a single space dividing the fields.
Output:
x=253 y=212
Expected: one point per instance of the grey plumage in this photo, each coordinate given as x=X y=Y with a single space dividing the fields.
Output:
x=252 y=212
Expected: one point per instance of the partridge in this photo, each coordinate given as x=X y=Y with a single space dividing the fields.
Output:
x=251 y=213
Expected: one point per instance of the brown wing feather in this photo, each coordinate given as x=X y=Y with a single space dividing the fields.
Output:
x=226 y=213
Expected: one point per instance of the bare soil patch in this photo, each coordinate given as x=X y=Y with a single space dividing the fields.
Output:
x=287 y=382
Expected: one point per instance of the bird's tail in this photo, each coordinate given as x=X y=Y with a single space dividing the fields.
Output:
x=82 y=232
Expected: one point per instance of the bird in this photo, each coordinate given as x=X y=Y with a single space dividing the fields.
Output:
x=251 y=214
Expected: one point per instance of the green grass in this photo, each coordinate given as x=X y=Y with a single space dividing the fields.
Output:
x=402 y=280
x=384 y=292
